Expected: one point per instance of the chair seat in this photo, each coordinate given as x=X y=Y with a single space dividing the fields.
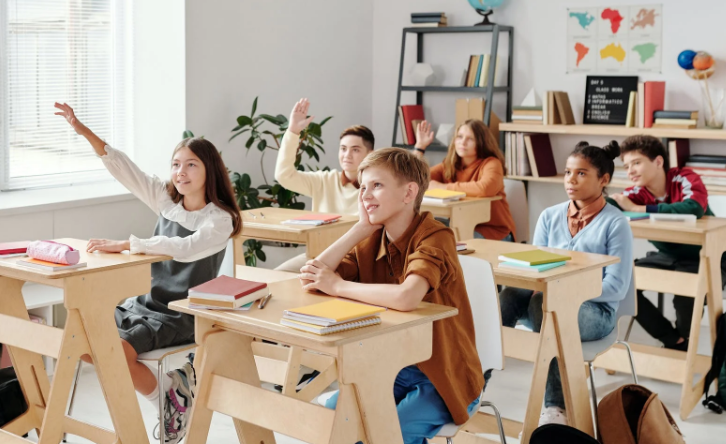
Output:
x=591 y=349
x=158 y=355
x=448 y=430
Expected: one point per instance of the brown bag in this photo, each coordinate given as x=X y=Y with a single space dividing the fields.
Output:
x=633 y=414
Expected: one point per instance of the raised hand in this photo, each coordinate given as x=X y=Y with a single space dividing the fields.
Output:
x=424 y=135
x=299 y=119
x=67 y=113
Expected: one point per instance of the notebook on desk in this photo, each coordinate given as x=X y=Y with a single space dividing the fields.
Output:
x=438 y=196
x=313 y=219
x=317 y=329
x=332 y=312
x=533 y=257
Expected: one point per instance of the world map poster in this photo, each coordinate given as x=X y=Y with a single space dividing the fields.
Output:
x=615 y=39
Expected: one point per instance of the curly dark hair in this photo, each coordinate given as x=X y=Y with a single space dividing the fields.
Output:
x=648 y=146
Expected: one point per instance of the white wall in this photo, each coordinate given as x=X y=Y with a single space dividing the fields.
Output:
x=539 y=61
x=280 y=51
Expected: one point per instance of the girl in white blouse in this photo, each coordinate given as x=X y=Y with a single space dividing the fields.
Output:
x=197 y=215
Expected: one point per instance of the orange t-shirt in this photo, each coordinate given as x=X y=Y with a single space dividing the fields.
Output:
x=483 y=178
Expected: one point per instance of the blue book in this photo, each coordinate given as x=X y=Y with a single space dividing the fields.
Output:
x=631 y=215
x=478 y=70
x=535 y=268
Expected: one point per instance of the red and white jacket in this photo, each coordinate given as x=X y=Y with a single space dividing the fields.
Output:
x=685 y=193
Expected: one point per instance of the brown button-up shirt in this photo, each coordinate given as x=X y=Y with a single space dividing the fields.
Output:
x=428 y=249
x=578 y=218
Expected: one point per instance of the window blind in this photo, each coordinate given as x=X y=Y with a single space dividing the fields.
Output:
x=72 y=51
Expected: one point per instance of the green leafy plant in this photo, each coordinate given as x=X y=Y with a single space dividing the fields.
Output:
x=265 y=132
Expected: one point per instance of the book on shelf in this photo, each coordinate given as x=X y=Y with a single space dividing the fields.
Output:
x=48 y=266
x=471 y=74
x=402 y=126
x=427 y=14
x=484 y=74
x=439 y=195
x=678 y=152
x=314 y=219
x=441 y=19
x=541 y=158
x=553 y=116
x=533 y=268
x=477 y=77
x=676 y=121
x=640 y=114
x=673 y=114
x=527 y=111
x=320 y=330
x=333 y=312
x=709 y=172
x=713 y=166
x=533 y=257
x=707 y=158
x=673 y=126
x=632 y=110
x=411 y=113
x=527 y=118
x=654 y=101
x=226 y=292
x=564 y=108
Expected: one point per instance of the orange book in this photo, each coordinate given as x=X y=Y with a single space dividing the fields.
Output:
x=47 y=266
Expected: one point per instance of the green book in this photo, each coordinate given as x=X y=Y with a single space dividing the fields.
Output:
x=533 y=257
x=535 y=268
x=526 y=108
x=632 y=215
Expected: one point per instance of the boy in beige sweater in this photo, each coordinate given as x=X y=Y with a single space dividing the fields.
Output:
x=332 y=191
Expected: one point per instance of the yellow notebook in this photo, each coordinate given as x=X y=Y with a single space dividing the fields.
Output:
x=332 y=312
x=445 y=195
x=533 y=257
x=317 y=329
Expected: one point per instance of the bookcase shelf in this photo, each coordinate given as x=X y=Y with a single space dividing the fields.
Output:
x=487 y=92
x=615 y=131
x=434 y=147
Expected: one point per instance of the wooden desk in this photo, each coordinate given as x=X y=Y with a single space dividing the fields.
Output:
x=270 y=228
x=90 y=295
x=564 y=289
x=367 y=361
x=673 y=365
x=464 y=215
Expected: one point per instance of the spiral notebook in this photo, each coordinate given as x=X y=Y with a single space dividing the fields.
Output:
x=312 y=328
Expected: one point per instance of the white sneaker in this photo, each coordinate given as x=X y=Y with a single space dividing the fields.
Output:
x=178 y=403
x=553 y=415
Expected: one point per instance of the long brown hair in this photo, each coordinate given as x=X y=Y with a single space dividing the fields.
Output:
x=486 y=146
x=217 y=187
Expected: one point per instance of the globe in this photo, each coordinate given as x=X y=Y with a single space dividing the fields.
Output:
x=485 y=8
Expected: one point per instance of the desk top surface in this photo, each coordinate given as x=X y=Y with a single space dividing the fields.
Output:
x=491 y=250
x=271 y=219
x=458 y=203
x=288 y=295
x=95 y=262
x=702 y=225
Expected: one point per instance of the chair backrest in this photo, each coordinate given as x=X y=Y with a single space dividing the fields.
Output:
x=628 y=306
x=517 y=199
x=484 y=301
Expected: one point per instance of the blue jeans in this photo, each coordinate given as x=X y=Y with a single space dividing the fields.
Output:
x=477 y=235
x=596 y=320
x=421 y=411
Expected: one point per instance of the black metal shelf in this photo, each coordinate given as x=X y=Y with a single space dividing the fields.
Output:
x=434 y=147
x=488 y=92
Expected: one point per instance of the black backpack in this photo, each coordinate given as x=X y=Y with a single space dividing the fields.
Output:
x=560 y=434
x=717 y=402
x=12 y=401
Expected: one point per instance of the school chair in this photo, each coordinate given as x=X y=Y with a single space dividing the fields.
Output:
x=517 y=199
x=159 y=356
x=484 y=300
x=592 y=349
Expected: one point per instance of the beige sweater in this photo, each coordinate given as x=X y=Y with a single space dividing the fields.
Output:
x=330 y=192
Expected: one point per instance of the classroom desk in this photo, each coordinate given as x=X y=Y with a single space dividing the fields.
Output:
x=673 y=365
x=564 y=290
x=269 y=228
x=366 y=361
x=464 y=215
x=90 y=295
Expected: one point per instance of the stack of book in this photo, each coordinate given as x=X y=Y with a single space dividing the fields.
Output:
x=556 y=109
x=409 y=117
x=711 y=168
x=428 y=19
x=527 y=114
x=645 y=103
x=675 y=119
x=332 y=316
x=477 y=73
x=441 y=196
x=226 y=293
x=533 y=260
x=313 y=220
x=528 y=154
x=48 y=266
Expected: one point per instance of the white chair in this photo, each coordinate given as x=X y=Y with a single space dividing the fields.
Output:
x=592 y=349
x=159 y=356
x=518 y=206
x=484 y=301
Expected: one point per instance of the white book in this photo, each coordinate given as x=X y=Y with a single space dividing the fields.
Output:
x=672 y=217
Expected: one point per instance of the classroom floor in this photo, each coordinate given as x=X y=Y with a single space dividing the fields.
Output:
x=508 y=390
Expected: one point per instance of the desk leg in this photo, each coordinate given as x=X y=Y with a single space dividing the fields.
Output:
x=383 y=356
x=28 y=366
x=465 y=219
x=230 y=355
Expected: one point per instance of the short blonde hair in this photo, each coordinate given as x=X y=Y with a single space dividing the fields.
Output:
x=404 y=165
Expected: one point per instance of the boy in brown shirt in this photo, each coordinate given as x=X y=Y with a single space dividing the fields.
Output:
x=397 y=257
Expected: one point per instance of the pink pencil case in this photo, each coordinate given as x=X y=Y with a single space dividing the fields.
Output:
x=54 y=252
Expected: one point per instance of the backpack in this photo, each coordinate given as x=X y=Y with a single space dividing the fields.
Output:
x=634 y=415
x=717 y=402
x=559 y=434
x=12 y=400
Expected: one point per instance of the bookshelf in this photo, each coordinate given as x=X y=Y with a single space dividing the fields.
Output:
x=487 y=92
x=612 y=131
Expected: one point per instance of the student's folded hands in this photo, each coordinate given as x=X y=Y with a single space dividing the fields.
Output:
x=315 y=275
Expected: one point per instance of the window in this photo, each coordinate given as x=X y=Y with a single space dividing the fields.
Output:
x=72 y=51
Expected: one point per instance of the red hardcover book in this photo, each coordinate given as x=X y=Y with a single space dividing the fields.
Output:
x=539 y=151
x=411 y=113
x=226 y=288
x=678 y=152
x=14 y=247
x=654 y=101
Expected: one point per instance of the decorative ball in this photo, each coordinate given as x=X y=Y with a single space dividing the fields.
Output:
x=702 y=61
x=685 y=59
